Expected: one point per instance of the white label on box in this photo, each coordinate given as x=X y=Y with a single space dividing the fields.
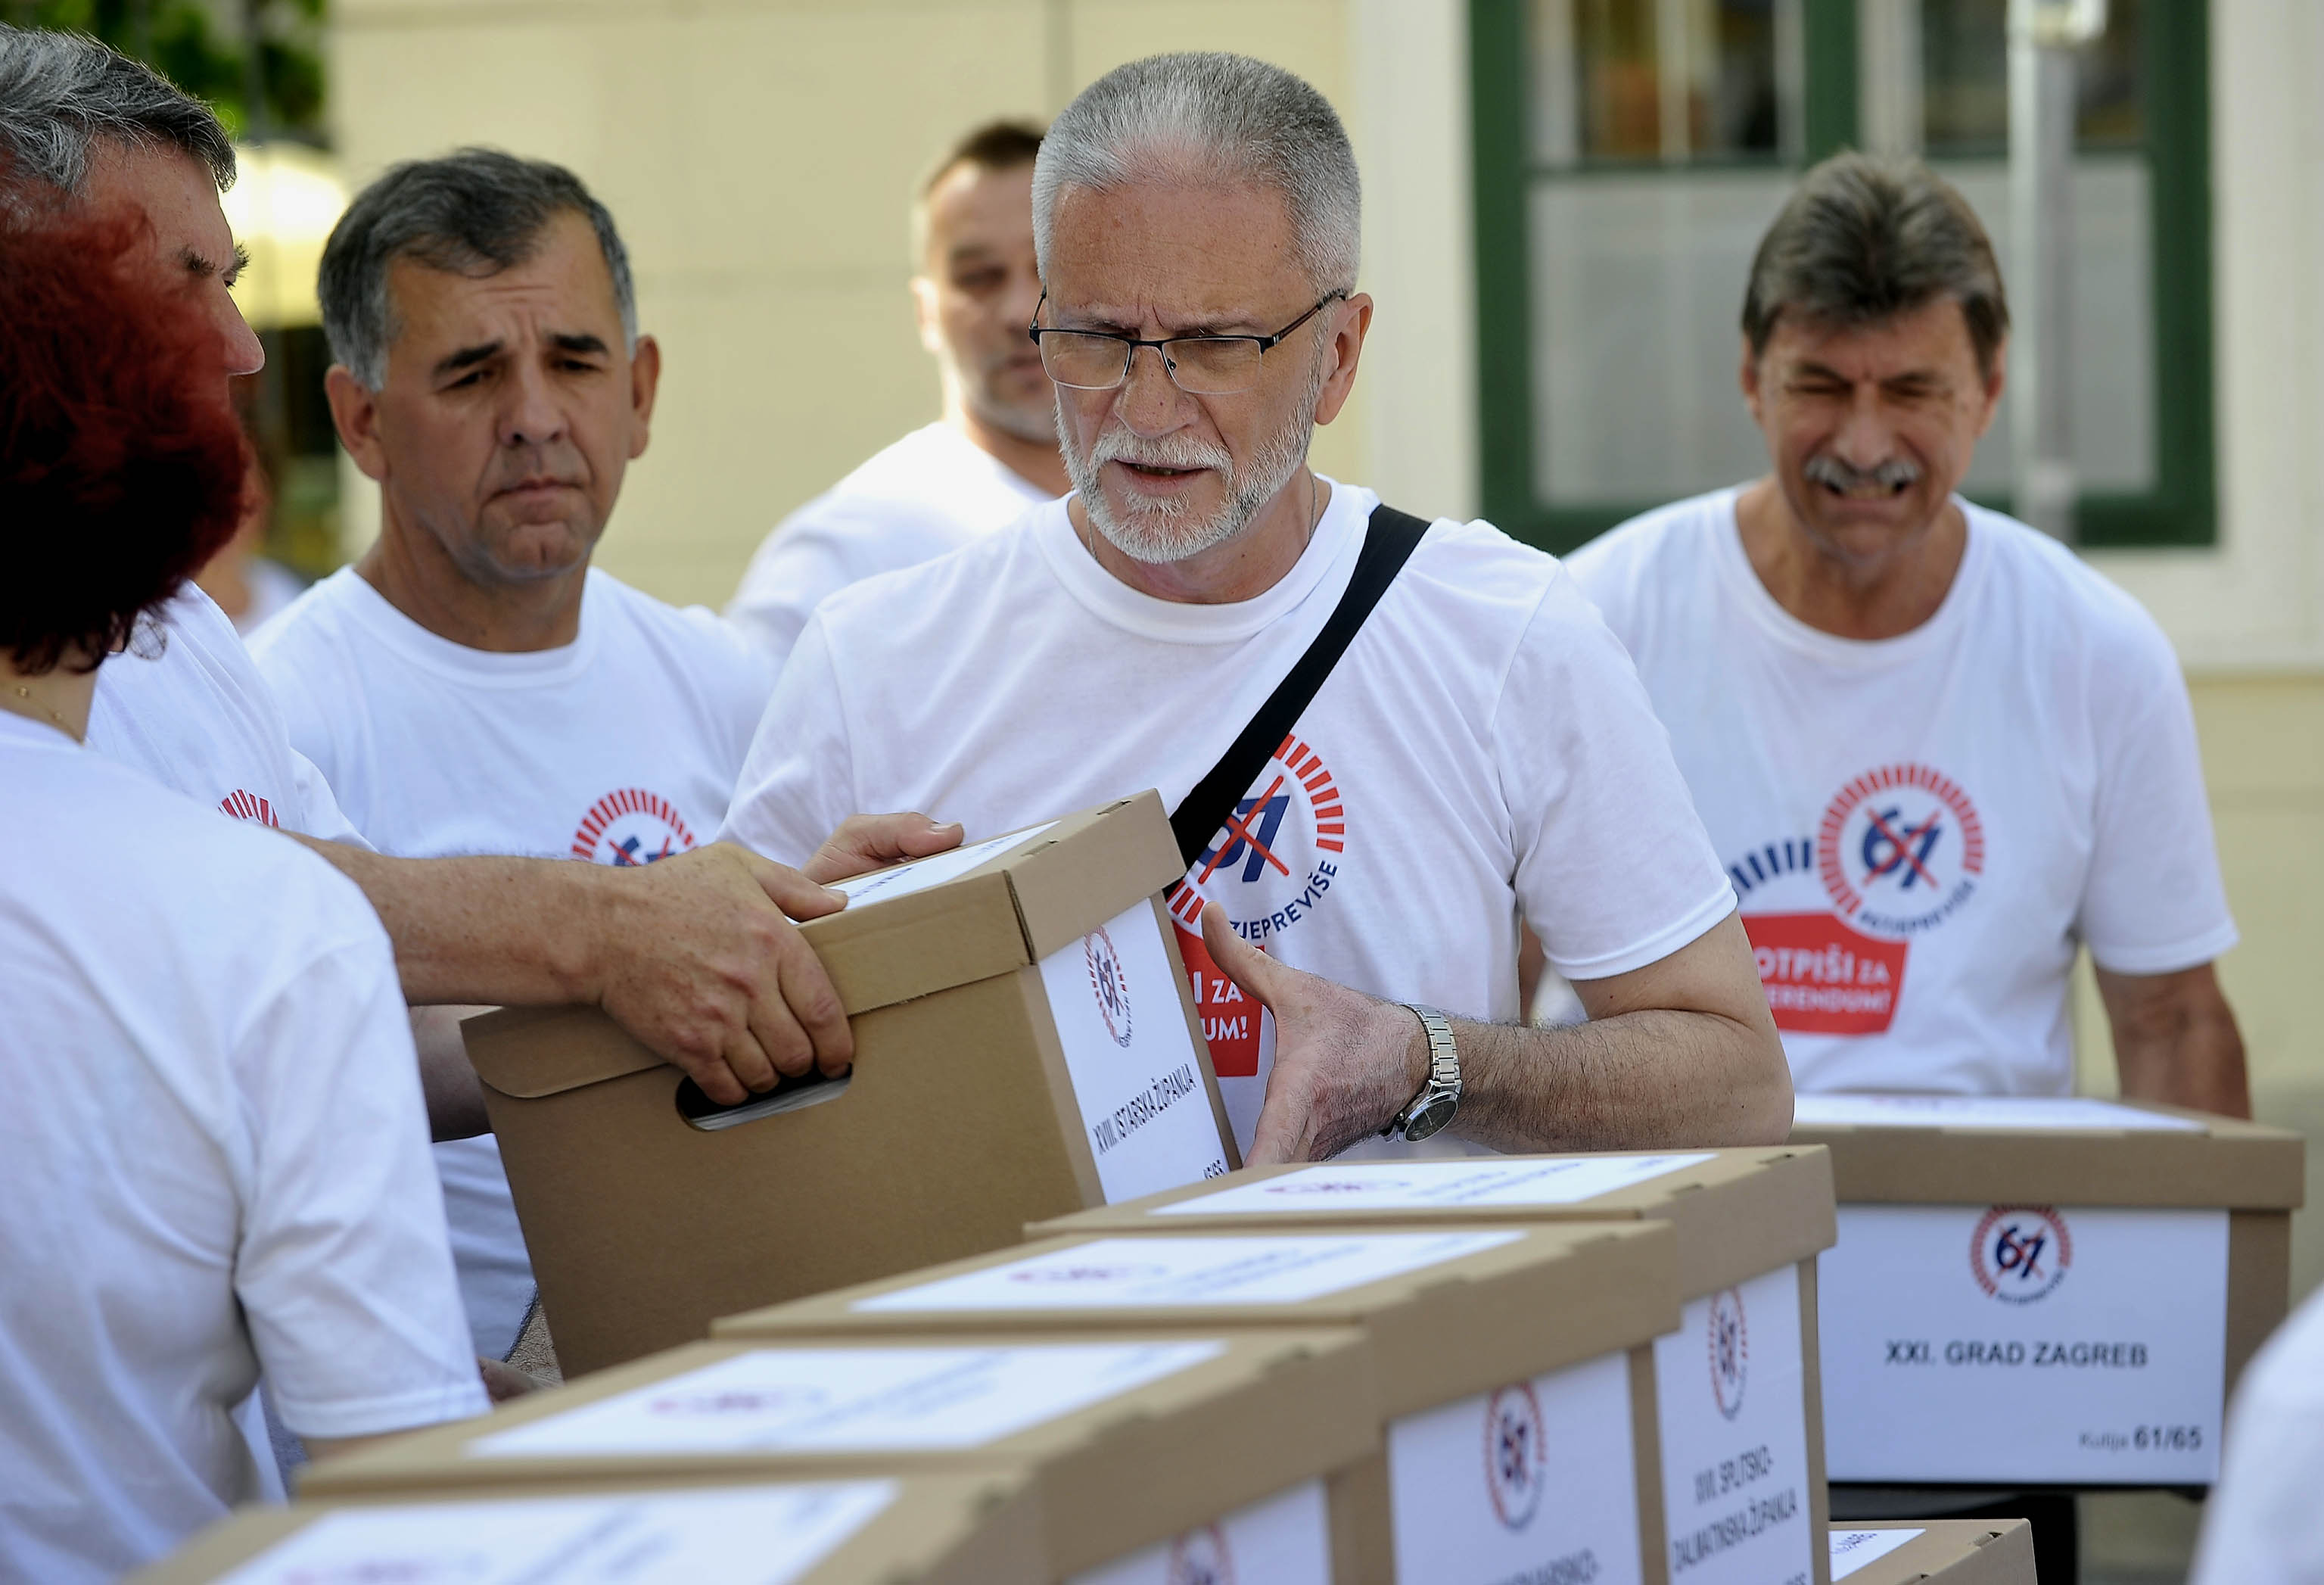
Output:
x=748 y=1535
x=1536 y=1481
x=1852 y=1549
x=1285 y=1540
x=1137 y=1077
x=1999 y=1343
x=1424 y=1185
x=2077 y=1112
x=921 y=873
x=1131 y=1274
x=1732 y=1401
x=849 y=1400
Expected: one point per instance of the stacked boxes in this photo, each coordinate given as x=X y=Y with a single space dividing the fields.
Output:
x=2091 y=1274
x=1737 y=1416
x=1025 y=1044
x=1513 y=1369
x=978 y=1529
x=1123 y=1441
x=1937 y=1551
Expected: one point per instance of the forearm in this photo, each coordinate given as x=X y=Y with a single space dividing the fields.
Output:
x=485 y=930
x=1648 y=1080
x=2198 y=1063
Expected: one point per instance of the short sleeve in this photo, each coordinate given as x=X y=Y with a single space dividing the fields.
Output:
x=1614 y=869
x=320 y=815
x=798 y=780
x=2154 y=903
x=345 y=1269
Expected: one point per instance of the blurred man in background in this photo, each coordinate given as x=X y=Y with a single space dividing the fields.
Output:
x=991 y=455
x=1936 y=752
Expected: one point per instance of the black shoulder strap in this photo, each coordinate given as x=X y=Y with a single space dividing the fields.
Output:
x=1389 y=542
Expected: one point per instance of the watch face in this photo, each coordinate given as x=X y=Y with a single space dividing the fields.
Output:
x=1431 y=1117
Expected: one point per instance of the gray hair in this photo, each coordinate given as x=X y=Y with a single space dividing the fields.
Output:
x=1212 y=119
x=1863 y=240
x=476 y=212
x=61 y=92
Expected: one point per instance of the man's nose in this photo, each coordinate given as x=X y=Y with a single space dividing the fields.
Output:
x=245 y=354
x=532 y=416
x=1867 y=437
x=1149 y=402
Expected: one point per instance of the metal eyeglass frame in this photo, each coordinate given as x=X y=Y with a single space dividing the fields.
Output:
x=1130 y=344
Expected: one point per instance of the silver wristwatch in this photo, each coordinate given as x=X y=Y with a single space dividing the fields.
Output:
x=1440 y=1098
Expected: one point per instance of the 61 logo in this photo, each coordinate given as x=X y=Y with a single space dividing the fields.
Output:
x=1516 y=1471
x=1731 y=1351
x=2020 y=1252
x=1200 y=1557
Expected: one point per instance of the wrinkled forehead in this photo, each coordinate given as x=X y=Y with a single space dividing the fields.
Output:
x=561 y=286
x=1174 y=253
x=1931 y=337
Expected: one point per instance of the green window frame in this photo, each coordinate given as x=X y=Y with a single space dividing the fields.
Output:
x=2179 y=510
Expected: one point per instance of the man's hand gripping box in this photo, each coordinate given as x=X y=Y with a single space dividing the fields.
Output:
x=1025 y=1046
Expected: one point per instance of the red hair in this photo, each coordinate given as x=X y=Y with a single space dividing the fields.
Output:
x=121 y=461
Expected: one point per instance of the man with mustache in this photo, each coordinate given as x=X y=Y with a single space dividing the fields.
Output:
x=1480 y=748
x=990 y=458
x=1936 y=752
x=472 y=684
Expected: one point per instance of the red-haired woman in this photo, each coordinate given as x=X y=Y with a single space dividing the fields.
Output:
x=213 y=1154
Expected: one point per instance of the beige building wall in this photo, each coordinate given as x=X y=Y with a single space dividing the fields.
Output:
x=759 y=154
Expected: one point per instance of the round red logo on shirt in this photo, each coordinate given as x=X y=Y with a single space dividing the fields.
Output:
x=630 y=827
x=1900 y=849
x=250 y=807
x=1273 y=862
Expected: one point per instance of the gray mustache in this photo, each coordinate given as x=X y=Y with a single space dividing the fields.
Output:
x=1892 y=475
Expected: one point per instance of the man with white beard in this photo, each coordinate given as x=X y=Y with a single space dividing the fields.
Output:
x=1460 y=738
x=990 y=458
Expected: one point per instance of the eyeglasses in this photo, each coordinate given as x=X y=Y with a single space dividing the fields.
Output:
x=1200 y=365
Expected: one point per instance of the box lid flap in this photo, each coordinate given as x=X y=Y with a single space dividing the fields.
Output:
x=531 y=1052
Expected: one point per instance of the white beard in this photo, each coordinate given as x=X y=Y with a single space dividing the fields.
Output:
x=1162 y=530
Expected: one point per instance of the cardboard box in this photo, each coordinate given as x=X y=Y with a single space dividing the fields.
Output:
x=1942 y=1552
x=969 y=1529
x=2043 y=1292
x=1025 y=1046
x=1125 y=1442
x=1749 y=1224
x=1514 y=1370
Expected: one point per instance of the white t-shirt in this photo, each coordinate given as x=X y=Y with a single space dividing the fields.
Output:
x=213 y=1160
x=185 y=706
x=2263 y=1524
x=621 y=747
x=1482 y=746
x=1921 y=828
x=930 y=493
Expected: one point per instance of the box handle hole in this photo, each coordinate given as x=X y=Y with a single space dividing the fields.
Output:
x=789 y=1095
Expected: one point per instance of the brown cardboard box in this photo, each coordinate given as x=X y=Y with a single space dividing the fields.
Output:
x=1514 y=1366
x=1025 y=1046
x=1749 y=1224
x=1127 y=1442
x=2045 y=1291
x=966 y=1529
x=1942 y=1552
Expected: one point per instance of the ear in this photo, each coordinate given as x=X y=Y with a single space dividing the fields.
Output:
x=1351 y=324
x=924 y=307
x=645 y=379
x=354 y=413
x=1995 y=384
